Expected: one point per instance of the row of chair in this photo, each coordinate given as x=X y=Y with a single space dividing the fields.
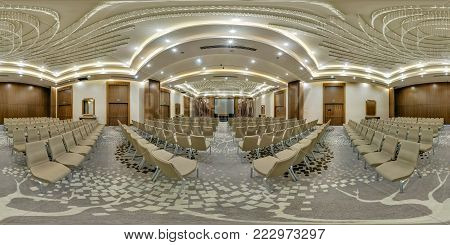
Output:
x=285 y=160
x=380 y=152
x=67 y=152
x=172 y=166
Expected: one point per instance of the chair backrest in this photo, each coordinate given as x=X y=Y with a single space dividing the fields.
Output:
x=240 y=132
x=377 y=140
x=183 y=140
x=196 y=130
x=285 y=160
x=250 y=142
x=426 y=137
x=54 y=131
x=251 y=130
x=198 y=142
x=389 y=146
x=413 y=135
x=369 y=135
x=33 y=135
x=208 y=131
x=43 y=133
x=36 y=153
x=409 y=152
x=266 y=140
x=69 y=140
x=56 y=146
x=402 y=133
x=19 y=137
x=77 y=135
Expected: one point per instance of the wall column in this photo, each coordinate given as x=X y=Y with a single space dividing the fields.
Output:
x=53 y=101
x=295 y=100
x=151 y=99
x=391 y=102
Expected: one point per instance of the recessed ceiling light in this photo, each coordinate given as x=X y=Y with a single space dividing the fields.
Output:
x=162 y=72
x=230 y=41
x=226 y=78
x=278 y=77
x=301 y=68
x=136 y=48
x=21 y=75
x=232 y=31
x=174 y=50
x=280 y=53
x=236 y=19
x=354 y=77
x=306 y=60
x=204 y=68
x=253 y=61
x=246 y=68
x=286 y=44
x=142 y=58
x=198 y=61
x=167 y=40
x=89 y=76
x=204 y=79
x=246 y=79
x=159 y=30
x=171 y=76
x=332 y=76
x=310 y=78
x=148 y=65
x=136 y=76
x=287 y=74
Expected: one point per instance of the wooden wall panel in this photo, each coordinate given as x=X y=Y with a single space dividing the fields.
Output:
x=391 y=102
x=164 y=104
x=64 y=103
x=295 y=100
x=151 y=99
x=53 y=101
x=186 y=105
x=117 y=103
x=22 y=100
x=423 y=100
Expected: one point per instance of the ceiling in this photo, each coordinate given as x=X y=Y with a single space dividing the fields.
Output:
x=225 y=48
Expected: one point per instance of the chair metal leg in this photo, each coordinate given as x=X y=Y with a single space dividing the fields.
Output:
x=418 y=173
x=268 y=185
x=251 y=172
x=403 y=184
x=292 y=174
x=156 y=174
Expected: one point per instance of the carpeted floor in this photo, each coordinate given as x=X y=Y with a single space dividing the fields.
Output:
x=111 y=190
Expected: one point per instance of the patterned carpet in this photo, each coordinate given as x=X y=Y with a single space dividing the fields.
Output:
x=337 y=189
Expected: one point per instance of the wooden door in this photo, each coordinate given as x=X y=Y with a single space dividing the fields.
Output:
x=280 y=104
x=118 y=96
x=335 y=113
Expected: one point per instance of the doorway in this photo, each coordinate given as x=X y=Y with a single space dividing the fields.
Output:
x=334 y=103
x=118 y=97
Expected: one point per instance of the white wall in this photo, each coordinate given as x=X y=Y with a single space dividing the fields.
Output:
x=97 y=90
x=176 y=97
x=313 y=101
x=90 y=89
x=356 y=95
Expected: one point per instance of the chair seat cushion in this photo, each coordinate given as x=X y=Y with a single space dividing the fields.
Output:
x=395 y=170
x=360 y=142
x=83 y=150
x=264 y=165
x=376 y=158
x=425 y=147
x=282 y=155
x=19 y=148
x=162 y=154
x=183 y=165
x=50 y=171
x=70 y=159
x=364 y=149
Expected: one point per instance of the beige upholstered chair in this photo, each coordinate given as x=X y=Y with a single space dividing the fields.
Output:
x=251 y=130
x=413 y=135
x=265 y=141
x=184 y=142
x=405 y=165
x=374 y=146
x=239 y=133
x=271 y=167
x=54 y=131
x=32 y=135
x=71 y=145
x=59 y=153
x=177 y=167
x=79 y=139
x=426 y=141
x=199 y=143
x=367 y=139
x=41 y=167
x=196 y=130
x=19 y=141
x=44 y=133
x=208 y=132
x=248 y=144
x=386 y=154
